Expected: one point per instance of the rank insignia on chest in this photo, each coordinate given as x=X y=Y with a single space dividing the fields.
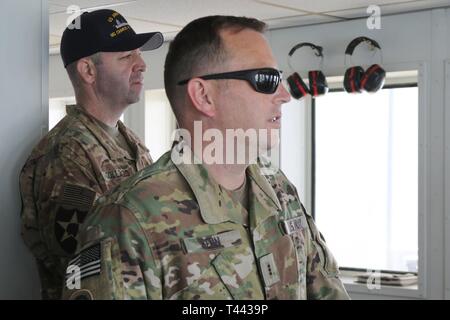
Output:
x=269 y=270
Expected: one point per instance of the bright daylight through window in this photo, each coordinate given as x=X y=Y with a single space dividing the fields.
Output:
x=366 y=177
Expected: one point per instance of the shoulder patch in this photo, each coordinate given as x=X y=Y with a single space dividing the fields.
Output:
x=77 y=197
x=74 y=204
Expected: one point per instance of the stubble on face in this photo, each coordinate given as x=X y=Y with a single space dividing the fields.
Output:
x=116 y=84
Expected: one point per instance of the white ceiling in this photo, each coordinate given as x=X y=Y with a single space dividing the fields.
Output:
x=169 y=16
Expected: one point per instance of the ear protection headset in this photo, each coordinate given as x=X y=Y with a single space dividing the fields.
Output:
x=317 y=81
x=356 y=79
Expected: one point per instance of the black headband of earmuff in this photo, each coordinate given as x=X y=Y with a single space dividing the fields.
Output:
x=319 y=49
x=355 y=42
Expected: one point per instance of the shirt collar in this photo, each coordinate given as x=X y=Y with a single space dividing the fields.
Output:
x=111 y=147
x=216 y=203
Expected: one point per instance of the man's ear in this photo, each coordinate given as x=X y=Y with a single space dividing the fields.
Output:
x=201 y=93
x=87 y=70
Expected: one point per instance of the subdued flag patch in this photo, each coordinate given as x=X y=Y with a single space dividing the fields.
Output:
x=85 y=264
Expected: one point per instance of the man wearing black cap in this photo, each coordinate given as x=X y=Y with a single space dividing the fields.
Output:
x=90 y=150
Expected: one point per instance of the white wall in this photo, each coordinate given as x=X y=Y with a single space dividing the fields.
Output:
x=23 y=85
x=415 y=40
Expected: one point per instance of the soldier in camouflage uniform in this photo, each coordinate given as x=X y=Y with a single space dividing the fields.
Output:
x=183 y=229
x=90 y=150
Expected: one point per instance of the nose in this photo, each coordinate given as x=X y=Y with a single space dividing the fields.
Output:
x=139 y=64
x=282 y=95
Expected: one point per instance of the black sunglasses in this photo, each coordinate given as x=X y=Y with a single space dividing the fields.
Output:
x=264 y=80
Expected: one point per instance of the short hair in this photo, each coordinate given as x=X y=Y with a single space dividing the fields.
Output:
x=196 y=48
x=73 y=72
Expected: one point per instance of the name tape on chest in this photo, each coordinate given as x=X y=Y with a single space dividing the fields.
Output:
x=217 y=241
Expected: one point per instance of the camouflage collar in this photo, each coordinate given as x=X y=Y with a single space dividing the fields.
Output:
x=216 y=204
x=111 y=147
x=266 y=194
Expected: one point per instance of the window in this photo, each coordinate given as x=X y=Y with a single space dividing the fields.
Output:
x=57 y=110
x=159 y=122
x=294 y=146
x=365 y=185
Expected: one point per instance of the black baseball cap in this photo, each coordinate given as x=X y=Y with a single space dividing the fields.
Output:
x=103 y=31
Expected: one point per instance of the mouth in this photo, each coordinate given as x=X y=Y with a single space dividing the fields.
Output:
x=139 y=81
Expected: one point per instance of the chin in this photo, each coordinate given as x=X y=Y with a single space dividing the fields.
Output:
x=132 y=100
x=269 y=141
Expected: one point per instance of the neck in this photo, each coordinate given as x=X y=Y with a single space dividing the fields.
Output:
x=230 y=176
x=101 y=110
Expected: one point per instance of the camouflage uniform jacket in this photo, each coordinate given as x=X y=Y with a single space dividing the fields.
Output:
x=171 y=232
x=69 y=168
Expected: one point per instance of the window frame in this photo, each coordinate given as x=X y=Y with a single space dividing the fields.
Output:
x=447 y=178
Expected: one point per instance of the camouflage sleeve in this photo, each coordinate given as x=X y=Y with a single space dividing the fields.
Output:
x=57 y=191
x=115 y=260
x=322 y=269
